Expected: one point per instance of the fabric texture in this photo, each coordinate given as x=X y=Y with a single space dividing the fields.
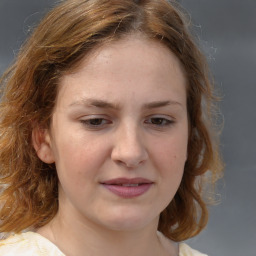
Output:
x=28 y=244
x=33 y=244
x=185 y=250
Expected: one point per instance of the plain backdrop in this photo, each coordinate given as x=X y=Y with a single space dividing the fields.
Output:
x=226 y=31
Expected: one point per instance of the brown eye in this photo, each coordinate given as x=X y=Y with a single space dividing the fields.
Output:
x=159 y=121
x=96 y=121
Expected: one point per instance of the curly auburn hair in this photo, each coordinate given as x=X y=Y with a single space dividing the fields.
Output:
x=29 y=187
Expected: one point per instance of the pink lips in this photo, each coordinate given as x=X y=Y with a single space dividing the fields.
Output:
x=128 y=188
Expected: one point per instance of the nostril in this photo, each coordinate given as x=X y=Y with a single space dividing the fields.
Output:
x=130 y=164
x=129 y=149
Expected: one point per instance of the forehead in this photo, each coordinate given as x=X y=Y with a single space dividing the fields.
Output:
x=133 y=63
x=151 y=49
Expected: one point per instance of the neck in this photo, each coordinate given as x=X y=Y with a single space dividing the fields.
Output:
x=80 y=239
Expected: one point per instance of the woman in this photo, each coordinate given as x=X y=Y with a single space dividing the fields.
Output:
x=106 y=139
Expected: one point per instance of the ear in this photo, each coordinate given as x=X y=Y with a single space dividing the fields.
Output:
x=42 y=144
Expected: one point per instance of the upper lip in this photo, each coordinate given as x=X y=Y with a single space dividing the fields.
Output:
x=118 y=181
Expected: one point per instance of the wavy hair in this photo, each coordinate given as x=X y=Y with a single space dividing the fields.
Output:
x=69 y=32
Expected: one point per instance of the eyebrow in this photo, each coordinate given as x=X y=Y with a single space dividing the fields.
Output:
x=159 y=104
x=95 y=103
x=108 y=105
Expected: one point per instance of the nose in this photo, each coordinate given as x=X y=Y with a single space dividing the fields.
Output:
x=129 y=149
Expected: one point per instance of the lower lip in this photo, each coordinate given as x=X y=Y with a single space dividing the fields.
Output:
x=128 y=192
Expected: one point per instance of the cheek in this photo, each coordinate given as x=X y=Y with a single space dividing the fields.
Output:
x=169 y=159
x=171 y=152
x=79 y=157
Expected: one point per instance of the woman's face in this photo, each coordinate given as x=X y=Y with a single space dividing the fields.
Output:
x=119 y=135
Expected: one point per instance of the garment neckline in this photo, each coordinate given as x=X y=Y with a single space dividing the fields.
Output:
x=31 y=235
x=34 y=235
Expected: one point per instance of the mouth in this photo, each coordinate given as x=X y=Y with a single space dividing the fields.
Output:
x=127 y=182
x=128 y=188
x=130 y=185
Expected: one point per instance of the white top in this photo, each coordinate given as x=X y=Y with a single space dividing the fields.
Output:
x=33 y=244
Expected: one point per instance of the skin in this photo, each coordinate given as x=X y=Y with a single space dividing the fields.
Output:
x=122 y=113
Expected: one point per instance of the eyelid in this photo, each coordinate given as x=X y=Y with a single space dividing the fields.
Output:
x=164 y=116
x=167 y=119
x=86 y=121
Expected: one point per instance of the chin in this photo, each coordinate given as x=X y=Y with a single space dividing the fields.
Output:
x=129 y=221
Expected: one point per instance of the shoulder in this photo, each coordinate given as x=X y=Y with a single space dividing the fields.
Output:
x=185 y=250
x=28 y=244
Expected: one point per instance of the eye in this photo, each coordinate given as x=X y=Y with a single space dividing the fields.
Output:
x=95 y=123
x=159 y=121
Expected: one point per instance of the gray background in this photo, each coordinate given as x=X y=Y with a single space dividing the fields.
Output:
x=227 y=33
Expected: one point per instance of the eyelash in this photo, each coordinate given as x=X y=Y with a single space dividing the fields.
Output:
x=100 y=123
x=160 y=121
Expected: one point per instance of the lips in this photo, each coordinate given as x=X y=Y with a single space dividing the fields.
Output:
x=128 y=188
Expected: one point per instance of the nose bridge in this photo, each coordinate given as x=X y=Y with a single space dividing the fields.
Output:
x=129 y=148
